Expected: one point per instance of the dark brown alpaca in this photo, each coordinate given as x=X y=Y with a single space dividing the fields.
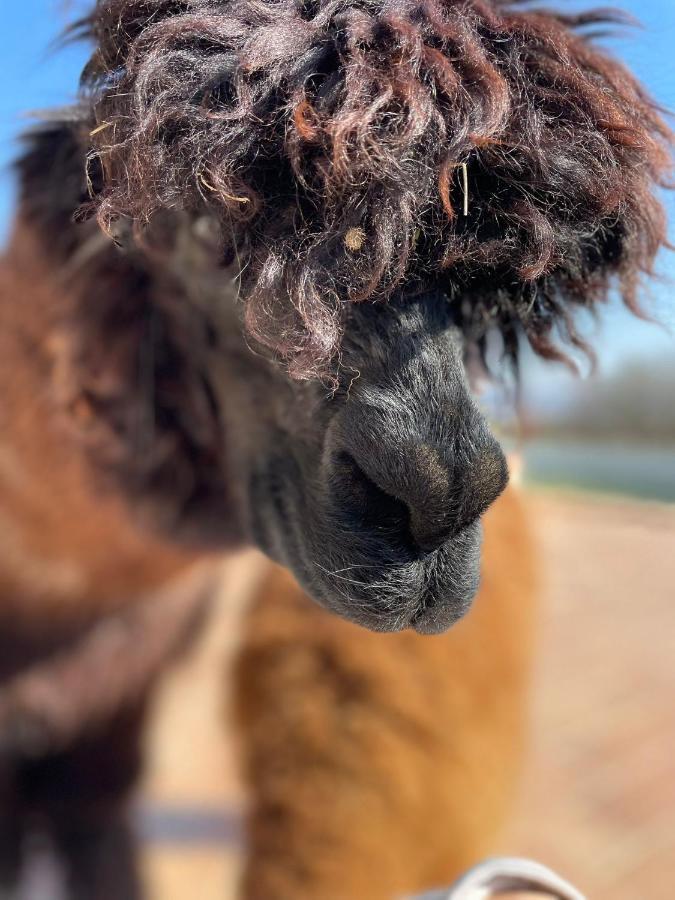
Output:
x=312 y=215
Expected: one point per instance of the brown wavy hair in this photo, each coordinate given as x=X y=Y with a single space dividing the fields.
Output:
x=351 y=148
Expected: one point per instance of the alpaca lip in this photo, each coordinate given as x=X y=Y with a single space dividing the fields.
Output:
x=428 y=595
x=438 y=618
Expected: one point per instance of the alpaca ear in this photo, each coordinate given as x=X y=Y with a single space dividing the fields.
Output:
x=489 y=149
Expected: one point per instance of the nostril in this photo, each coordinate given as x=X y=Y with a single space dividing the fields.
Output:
x=428 y=500
x=373 y=507
x=427 y=534
x=412 y=525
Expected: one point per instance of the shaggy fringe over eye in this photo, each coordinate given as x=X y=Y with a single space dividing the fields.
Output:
x=351 y=147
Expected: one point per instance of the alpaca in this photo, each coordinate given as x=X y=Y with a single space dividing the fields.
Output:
x=250 y=276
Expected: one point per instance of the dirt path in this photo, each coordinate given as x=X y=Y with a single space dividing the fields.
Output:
x=598 y=794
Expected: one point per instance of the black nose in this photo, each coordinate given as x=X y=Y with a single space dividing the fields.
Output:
x=419 y=491
x=449 y=488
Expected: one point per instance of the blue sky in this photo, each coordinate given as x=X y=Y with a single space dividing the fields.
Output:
x=35 y=77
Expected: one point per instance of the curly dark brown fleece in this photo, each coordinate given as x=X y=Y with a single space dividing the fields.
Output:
x=351 y=146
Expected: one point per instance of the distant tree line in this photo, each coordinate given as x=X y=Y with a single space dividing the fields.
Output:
x=636 y=402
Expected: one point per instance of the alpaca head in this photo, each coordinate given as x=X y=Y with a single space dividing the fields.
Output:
x=384 y=183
